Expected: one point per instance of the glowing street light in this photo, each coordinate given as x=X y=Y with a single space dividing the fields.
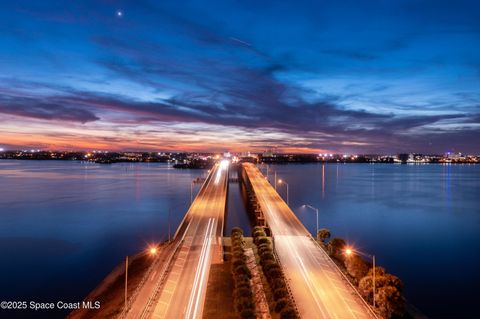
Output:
x=281 y=181
x=153 y=250
x=350 y=251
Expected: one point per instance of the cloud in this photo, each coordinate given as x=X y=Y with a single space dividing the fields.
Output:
x=46 y=110
x=211 y=73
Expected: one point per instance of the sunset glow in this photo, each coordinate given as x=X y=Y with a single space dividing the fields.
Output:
x=401 y=77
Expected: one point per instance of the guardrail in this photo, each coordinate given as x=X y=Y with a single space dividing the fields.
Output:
x=186 y=214
x=144 y=279
x=164 y=272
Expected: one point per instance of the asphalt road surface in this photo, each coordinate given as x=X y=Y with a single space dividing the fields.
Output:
x=177 y=286
x=318 y=288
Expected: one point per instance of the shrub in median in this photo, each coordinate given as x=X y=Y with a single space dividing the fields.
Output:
x=248 y=313
x=243 y=294
x=262 y=240
x=288 y=313
x=244 y=303
x=236 y=230
x=281 y=304
x=278 y=283
x=280 y=293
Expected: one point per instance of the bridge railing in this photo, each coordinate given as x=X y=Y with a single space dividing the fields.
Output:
x=164 y=272
x=186 y=214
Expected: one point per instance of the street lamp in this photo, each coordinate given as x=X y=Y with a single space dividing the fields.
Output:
x=316 y=211
x=281 y=181
x=126 y=281
x=170 y=213
x=350 y=251
x=191 y=192
x=153 y=250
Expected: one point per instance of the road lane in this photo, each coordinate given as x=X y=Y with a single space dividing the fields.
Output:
x=198 y=239
x=319 y=289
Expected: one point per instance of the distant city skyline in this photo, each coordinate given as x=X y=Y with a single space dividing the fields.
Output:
x=371 y=77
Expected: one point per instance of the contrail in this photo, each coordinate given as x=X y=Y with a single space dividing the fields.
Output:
x=240 y=41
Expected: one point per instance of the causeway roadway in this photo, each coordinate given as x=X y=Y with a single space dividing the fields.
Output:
x=318 y=287
x=176 y=287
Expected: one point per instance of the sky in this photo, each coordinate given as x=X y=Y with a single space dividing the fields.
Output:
x=298 y=76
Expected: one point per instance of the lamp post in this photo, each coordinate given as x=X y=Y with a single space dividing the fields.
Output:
x=126 y=281
x=275 y=180
x=153 y=250
x=350 y=251
x=281 y=181
x=191 y=192
x=170 y=213
x=316 y=211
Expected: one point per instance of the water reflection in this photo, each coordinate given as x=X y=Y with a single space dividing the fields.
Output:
x=420 y=220
x=65 y=225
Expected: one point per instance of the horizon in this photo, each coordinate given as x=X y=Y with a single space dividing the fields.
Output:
x=253 y=153
x=303 y=78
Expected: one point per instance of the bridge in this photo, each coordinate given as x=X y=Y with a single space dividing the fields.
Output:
x=177 y=283
x=317 y=285
x=176 y=287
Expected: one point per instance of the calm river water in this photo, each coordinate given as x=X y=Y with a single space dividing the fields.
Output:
x=65 y=225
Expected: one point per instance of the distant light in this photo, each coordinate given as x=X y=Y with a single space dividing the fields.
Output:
x=119 y=13
x=1 y=149
x=330 y=155
x=280 y=181
x=224 y=164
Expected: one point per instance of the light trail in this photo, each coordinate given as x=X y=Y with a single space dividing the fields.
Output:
x=222 y=167
x=199 y=282
x=180 y=291
x=316 y=284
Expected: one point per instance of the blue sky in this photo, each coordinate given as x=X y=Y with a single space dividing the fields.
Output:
x=303 y=76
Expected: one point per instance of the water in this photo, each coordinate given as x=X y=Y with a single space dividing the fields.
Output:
x=422 y=222
x=65 y=225
x=237 y=215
